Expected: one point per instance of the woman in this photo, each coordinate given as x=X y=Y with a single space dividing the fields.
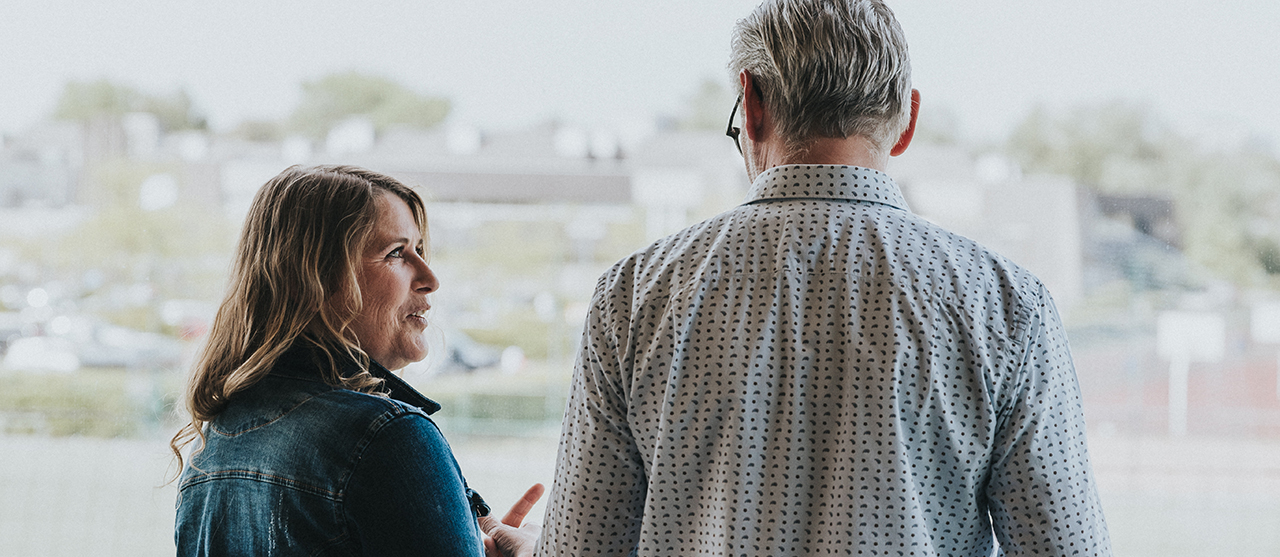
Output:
x=308 y=444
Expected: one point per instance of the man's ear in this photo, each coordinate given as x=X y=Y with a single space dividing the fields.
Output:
x=755 y=119
x=905 y=139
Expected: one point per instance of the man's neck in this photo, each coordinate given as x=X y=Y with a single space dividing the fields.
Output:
x=850 y=151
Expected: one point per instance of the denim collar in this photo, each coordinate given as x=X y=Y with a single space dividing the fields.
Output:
x=304 y=362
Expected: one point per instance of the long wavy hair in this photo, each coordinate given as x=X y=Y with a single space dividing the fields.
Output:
x=294 y=280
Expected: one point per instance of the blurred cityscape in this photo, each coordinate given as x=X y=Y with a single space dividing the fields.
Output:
x=119 y=212
x=118 y=215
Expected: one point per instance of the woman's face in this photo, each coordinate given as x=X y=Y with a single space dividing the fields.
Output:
x=394 y=282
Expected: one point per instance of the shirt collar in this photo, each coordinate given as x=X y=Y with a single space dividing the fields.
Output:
x=301 y=361
x=400 y=390
x=821 y=181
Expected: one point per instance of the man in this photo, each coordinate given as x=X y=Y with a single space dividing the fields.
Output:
x=819 y=371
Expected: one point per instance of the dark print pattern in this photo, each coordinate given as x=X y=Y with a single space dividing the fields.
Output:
x=821 y=372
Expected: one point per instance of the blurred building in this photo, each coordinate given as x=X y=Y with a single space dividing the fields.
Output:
x=1035 y=221
x=39 y=168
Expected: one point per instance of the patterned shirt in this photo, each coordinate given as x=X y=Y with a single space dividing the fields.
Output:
x=821 y=372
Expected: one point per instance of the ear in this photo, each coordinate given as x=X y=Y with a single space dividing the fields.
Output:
x=905 y=139
x=755 y=119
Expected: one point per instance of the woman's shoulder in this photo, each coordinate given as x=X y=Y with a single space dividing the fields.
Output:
x=356 y=408
x=316 y=403
x=308 y=433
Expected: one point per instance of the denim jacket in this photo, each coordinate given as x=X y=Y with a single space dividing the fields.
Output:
x=294 y=466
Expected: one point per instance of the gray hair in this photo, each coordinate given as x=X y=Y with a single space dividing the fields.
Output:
x=827 y=68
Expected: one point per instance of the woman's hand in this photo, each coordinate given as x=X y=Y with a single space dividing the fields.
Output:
x=508 y=538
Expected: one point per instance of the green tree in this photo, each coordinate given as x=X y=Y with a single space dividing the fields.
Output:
x=1224 y=201
x=1090 y=142
x=84 y=101
x=175 y=112
x=335 y=97
x=259 y=130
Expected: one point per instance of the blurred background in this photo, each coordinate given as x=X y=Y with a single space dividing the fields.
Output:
x=1127 y=151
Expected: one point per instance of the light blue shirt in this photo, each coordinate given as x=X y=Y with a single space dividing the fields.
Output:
x=820 y=371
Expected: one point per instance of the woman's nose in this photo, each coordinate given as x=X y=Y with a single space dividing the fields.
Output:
x=427 y=281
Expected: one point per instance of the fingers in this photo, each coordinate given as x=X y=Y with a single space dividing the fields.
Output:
x=488 y=524
x=515 y=516
x=490 y=527
x=503 y=540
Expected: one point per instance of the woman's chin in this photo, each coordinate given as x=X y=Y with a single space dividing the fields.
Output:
x=402 y=358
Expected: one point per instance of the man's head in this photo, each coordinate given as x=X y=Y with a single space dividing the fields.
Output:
x=827 y=68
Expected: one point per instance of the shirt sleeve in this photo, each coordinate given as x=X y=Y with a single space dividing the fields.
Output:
x=1041 y=491
x=597 y=499
x=406 y=494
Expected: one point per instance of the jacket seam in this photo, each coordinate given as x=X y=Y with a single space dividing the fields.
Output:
x=263 y=477
x=376 y=426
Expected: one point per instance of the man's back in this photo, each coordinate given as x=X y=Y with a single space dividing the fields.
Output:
x=820 y=371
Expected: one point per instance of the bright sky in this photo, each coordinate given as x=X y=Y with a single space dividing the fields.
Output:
x=507 y=63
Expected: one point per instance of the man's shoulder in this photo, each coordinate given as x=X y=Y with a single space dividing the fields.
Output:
x=961 y=275
x=873 y=241
x=967 y=255
x=653 y=266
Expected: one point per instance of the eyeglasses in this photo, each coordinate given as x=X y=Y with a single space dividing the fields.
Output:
x=733 y=131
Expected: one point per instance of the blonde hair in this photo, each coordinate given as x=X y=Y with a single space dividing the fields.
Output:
x=294 y=279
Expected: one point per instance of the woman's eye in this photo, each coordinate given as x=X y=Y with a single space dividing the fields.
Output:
x=396 y=253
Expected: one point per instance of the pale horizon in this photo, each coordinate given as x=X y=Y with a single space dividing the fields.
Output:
x=1206 y=69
